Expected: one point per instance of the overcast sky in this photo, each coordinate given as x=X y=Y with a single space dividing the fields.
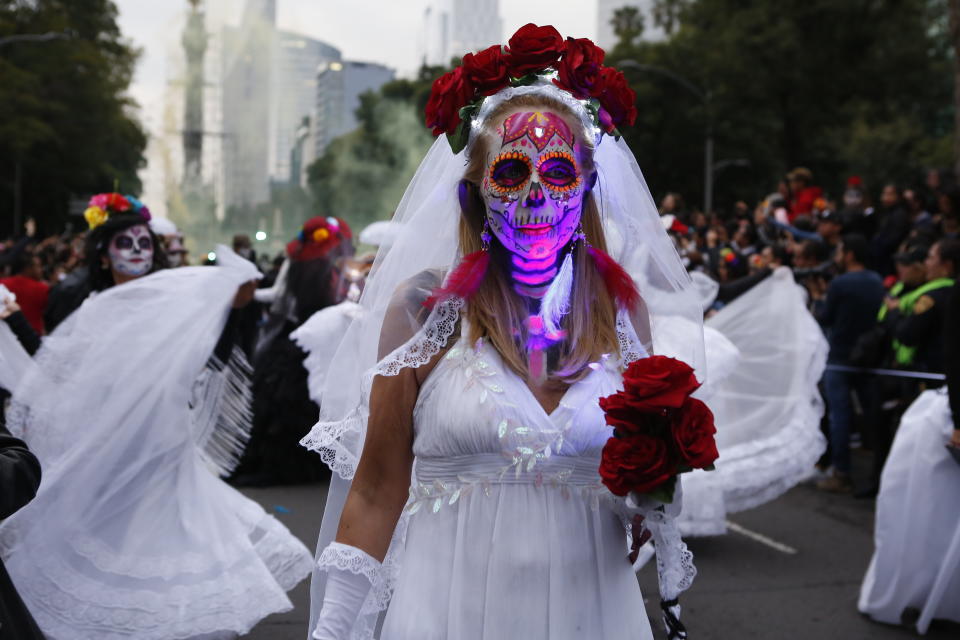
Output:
x=384 y=31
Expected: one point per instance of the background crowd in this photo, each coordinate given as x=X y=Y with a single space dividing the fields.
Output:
x=877 y=263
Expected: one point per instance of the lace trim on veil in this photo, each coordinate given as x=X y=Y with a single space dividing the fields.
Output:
x=332 y=440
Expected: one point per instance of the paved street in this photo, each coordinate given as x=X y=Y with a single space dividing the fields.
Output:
x=745 y=588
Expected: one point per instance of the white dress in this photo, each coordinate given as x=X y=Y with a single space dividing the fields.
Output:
x=132 y=536
x=509 y=532
x=916 y=563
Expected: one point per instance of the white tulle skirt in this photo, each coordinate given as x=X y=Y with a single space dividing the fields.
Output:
x=766 y=405
x=916 y=564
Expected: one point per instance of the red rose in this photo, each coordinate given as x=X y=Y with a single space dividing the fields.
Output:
x=118 y=203
x=449 y=93
x=638 y=463
x=580 y=67
x=628 y=417
x=617 y=99
x=534 y=48
x=487 y=70
x=693 y=431
x=658 y=382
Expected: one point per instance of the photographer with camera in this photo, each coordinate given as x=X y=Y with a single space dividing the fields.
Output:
x=847 y=309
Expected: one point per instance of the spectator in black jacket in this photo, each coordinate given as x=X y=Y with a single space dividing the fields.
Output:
x=19 y=481
x=951 y=339
x=894 y=224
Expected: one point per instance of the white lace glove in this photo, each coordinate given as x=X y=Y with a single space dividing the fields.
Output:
x=675 y=568
x=350 y=574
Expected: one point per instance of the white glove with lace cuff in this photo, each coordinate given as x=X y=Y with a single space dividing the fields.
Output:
x=350 y=574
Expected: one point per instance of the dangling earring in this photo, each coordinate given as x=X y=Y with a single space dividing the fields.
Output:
x=580 y=235
x=485 y=235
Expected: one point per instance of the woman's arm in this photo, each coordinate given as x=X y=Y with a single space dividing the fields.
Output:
x=382 y=482
x=376 y=498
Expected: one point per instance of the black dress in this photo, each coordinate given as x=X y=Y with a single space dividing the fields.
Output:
x=19 y=481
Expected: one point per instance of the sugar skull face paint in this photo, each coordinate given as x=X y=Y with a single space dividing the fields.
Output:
x=131 y=251
x=533 y=186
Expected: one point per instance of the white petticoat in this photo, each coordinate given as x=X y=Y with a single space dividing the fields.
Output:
x=916 y=563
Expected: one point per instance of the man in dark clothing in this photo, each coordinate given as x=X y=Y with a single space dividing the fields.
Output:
x=951 y=356
x=19 y=481
x=847 y=310
x=893 y=226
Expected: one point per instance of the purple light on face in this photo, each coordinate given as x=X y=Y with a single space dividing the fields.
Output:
x=534 y=265
x=532 y=279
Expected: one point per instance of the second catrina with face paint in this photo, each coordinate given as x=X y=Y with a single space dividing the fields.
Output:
x=134 y=410
x=529 y=271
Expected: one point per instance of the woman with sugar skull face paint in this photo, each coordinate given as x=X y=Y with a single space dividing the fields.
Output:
x=460 y=414
x=133 y=534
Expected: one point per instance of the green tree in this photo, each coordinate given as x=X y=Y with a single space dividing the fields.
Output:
x=66 y=124
x=791 y=82
x=627 y=23
x=362 y=175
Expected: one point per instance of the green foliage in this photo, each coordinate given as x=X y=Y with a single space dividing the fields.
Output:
x=363 y=174
x=627 y=25
x=64 y=114
x=840 y=87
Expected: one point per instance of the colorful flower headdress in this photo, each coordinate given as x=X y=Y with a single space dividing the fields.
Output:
x=318 y=237
x=105 y=205
x=532 y=54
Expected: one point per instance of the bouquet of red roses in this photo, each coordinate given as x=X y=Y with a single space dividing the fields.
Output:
x=659 y=430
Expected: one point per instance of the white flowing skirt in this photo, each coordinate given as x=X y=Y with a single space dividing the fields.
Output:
x=175 y=557
x=916 y=563
x=511 y=558
x=767 y=407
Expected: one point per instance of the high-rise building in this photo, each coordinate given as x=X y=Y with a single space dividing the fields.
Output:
x=454 y=27
x=269 y=85
x=247 y=53
x=607 y=39
x=294 y=95
x=339 y=85
x=194 y=41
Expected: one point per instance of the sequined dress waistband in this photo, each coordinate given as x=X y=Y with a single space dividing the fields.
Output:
x=497 y=469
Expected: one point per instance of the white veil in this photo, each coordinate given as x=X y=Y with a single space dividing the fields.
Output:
x=427 y=219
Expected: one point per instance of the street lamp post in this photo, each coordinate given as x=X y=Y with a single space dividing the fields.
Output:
x=703 y=96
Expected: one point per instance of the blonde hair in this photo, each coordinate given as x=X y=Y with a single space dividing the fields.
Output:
x=496 y=311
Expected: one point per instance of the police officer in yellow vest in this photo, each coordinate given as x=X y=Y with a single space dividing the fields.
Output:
x=901 y=297
x=918 y=332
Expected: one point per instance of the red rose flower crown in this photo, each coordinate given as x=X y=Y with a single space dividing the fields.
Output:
x=659 y=430
x=533 y=54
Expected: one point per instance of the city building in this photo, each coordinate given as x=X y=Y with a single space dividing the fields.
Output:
x=246 y=59
x=294 y=95
x=339 y=85
x=269 y=85
x=455 y=27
